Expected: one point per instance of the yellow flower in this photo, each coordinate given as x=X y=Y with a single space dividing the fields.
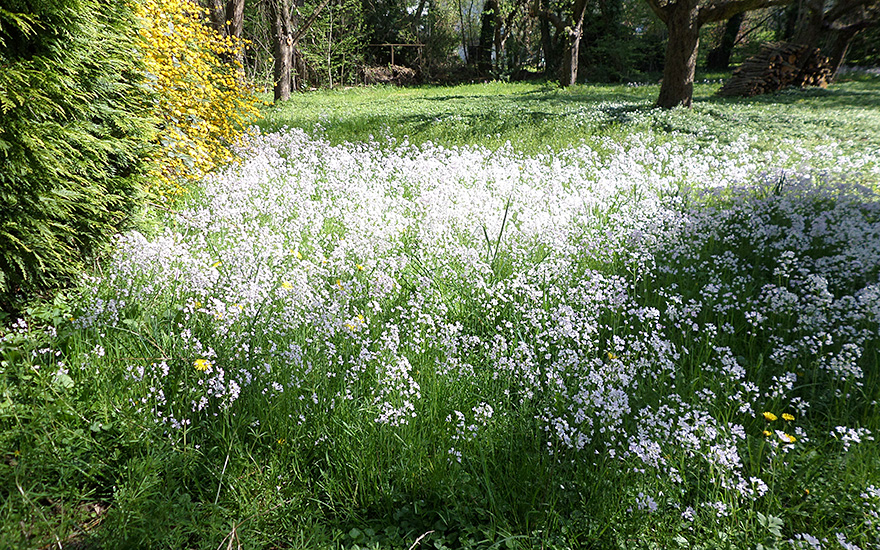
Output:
x=201 y=364
x=286 y=285
x=359 y=267
x=770 y=416
x=339 y=283
x=766 y=433
x=787 y=417
x=788 y=438
x=216 y=264
x=611 y=356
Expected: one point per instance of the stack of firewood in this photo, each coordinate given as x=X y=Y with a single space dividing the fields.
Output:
x=778 y=66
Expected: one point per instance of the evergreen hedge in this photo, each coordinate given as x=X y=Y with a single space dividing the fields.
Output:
x=74 y=137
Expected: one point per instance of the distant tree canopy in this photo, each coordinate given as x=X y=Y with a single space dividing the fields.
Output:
x=568 y=40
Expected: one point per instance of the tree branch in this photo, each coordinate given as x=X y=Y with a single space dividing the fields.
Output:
x=302 y=30
x=660 y=11
x=723 y=10
x=844 y=8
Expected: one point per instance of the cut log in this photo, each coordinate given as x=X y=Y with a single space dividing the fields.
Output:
x=778 y=66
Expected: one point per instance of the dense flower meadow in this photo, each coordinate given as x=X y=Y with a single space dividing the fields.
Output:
x=691 y=319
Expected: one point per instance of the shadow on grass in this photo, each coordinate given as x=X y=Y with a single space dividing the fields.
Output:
x=499 y=112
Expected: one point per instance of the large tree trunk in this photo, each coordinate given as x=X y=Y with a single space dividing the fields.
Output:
x=282 y=36
x=719 y=58
x=677 y=88
x=573 y=46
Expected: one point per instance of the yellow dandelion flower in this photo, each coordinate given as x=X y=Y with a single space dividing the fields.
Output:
x=216 y=264
x=611 y=356
x=766 y=433
x=787 y=417
x=202 y=364
x=359 y=267
x=286 y=285
x=788 y=438
x=339 y=284
x=769 y=416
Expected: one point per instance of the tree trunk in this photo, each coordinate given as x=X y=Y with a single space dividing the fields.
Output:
x=677 y=88
x=282 y=36
x=573 y=46
x=488 y=23
x=227 y=18
x=839 y=47
x=810 y=22
x=551 y=63
x=719 y=58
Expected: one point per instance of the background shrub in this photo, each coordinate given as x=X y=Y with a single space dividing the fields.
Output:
x=74 y=137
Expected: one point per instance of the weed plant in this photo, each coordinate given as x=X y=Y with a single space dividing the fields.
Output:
x=638 y=337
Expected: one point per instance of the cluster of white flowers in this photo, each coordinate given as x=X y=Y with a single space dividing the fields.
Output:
x=376 y=275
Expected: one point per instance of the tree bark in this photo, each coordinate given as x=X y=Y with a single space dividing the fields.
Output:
x=488 y=24
x=719 y=57
x=227 y=18
x=810 y=21
x=677 y=88
x=683 y=19
x=282 y=36
x=573 y=45
x=839 y=47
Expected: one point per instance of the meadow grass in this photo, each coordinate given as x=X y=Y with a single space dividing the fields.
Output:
x=497 y=315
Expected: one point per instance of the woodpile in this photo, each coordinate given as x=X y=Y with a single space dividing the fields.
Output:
x=778 y=66
x=390 y=74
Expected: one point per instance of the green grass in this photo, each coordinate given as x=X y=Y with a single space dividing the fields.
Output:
x=534 y=117
x=348 y=288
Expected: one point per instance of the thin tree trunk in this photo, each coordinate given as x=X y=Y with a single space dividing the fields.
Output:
x=573 y=45
x=551 y=62
x=677 y=88
x=488 y=23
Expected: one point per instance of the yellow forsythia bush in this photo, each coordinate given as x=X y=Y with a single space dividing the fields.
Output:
x=201 y=101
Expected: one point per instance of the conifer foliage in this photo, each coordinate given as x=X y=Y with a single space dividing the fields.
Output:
x=75 y=133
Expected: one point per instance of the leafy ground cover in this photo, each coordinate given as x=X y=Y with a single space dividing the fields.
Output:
x=483 y=316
